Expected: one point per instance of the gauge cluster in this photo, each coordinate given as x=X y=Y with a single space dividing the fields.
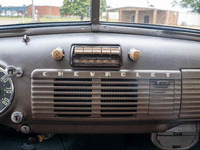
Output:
x=6 y=91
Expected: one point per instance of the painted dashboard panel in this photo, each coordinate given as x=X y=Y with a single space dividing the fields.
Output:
x=158 y=55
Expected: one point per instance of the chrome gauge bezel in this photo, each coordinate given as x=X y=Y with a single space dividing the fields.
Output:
x=11 y=94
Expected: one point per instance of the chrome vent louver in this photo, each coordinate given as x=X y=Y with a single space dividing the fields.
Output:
x=119 y=97
x=190 y=106
x=72 y=97
x=85 y=95
x=68 y=97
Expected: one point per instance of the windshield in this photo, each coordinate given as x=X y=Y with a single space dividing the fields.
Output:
x=179 y=13
x=34 y=11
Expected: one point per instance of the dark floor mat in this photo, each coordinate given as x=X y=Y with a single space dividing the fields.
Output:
x=13 y=140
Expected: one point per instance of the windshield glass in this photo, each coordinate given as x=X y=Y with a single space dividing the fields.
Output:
x=34 y=11
x=180 y=13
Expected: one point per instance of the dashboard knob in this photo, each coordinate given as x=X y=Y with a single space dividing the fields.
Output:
x=58 y=53
x=134 y=54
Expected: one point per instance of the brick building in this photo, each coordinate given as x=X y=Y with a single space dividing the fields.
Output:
x=45 y=11
x=145 y=15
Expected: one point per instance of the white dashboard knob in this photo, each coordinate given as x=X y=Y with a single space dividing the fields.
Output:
x=58 y=53
x=134 y=54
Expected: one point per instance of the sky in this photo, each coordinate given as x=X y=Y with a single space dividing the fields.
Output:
x=160 y=4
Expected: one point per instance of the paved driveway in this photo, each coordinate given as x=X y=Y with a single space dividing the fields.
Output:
x=6 y=22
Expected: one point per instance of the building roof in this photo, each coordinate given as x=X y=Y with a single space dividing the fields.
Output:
x=130 y=8
x=13 y=8
x=44 y=6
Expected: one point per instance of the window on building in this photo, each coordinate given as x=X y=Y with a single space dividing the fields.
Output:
x=146 y=19
x=132 y=18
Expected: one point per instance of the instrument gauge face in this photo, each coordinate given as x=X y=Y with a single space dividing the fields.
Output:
x=6 y=91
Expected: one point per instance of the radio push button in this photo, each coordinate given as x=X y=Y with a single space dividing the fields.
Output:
x=88 y=50
x=78 y=50
x=106 y=50
x=97 y=50
x=115 y=51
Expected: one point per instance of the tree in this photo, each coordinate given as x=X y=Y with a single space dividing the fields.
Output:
x=151 y=5
x=0 y=5
x=103 y=7
x=80 y=8
x=194 y=4
x=75 y=7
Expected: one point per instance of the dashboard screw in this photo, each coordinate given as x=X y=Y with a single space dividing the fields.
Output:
x=105 y=27
x=159 y=33
x=19 y=72
x=26 y=129
x=12 y=71
x=26 y=39
x=17 y=117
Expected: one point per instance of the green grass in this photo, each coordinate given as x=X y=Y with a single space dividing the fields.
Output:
x=43 y=19
x=110 y=20
x=12 y=18
x=194 y=27
x=62 y=19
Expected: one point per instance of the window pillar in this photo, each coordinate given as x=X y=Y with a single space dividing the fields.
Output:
x=167 y=18
x=154 y=16
x=120 y=16
x=107 y=15
x=136 y=16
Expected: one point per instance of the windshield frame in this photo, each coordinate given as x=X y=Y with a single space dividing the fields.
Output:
x=96 y=24
x=94 y=12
